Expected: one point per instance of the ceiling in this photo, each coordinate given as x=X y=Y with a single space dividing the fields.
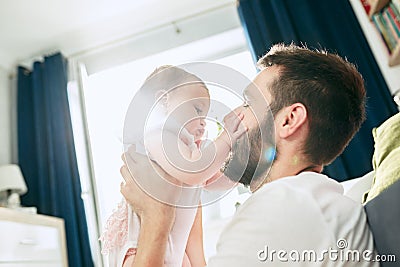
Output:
x=36 y=27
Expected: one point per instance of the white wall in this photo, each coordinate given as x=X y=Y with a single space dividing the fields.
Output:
x=147 y=43
x=5 y=118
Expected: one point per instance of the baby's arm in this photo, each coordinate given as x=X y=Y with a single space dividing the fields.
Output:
x=194 y=166
x=194 y=247
x=219 y=182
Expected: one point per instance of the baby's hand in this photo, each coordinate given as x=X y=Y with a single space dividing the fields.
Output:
x=233 y=128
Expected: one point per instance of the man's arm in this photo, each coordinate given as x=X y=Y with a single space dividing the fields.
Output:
x=156 y=218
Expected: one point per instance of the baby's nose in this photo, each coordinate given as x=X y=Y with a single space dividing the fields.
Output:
x=203 y=122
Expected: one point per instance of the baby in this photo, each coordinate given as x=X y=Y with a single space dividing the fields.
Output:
x=172 y=139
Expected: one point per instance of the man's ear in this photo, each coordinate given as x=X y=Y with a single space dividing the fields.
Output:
x=161 y=97
x=292 y=119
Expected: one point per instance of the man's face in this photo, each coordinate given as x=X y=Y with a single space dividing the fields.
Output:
x=251 y=154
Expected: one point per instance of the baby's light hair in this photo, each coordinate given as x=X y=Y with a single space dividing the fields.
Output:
x=164 y=79
x=167 y=78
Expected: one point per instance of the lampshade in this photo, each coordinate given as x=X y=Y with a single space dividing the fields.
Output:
x=11 y=179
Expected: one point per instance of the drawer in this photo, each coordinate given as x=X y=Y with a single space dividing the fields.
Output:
x=22 y=242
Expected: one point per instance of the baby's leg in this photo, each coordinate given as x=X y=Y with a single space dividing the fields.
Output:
x=128 y=261
x=129 y=257
x=186 y=261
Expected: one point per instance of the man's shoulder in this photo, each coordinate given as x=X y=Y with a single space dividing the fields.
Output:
x=308 y=187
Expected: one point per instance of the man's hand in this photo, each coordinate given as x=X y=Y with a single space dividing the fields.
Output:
x=156 y=217
x=233 y=127
x=146 y=205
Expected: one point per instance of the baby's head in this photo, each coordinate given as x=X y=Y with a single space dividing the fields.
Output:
x=182 y=96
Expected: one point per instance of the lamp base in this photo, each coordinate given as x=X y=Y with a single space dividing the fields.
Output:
x=13 y=201
x=3 y=199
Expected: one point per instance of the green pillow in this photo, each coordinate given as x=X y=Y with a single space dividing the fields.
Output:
x=386 y=158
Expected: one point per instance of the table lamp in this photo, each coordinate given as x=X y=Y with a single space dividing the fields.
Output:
x=12 y=185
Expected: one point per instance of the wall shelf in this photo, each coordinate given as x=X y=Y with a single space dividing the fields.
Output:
x=377 y=6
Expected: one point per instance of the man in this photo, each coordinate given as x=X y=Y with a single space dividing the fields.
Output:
x=296 y=216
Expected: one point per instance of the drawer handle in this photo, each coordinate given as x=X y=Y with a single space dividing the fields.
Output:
x=27 y=242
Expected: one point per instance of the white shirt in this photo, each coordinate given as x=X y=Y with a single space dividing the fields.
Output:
x=286 y=221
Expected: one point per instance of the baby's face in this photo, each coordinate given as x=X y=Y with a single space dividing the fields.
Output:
x=189 y=105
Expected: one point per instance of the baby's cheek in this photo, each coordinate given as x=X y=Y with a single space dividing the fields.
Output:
x=191 y=127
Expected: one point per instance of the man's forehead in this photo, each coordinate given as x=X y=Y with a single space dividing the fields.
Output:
x=263 y=81
x=256 y=92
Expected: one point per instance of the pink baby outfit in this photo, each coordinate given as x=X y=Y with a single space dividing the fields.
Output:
x=122 y=231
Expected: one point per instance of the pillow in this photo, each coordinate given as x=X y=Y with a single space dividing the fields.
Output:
x=358 y=187
x=386 y=158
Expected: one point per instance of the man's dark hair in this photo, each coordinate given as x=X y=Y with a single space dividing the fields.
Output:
x=331 y=89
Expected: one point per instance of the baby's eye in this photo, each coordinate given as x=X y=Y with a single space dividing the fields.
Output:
x=198 y=110
x=246 y=104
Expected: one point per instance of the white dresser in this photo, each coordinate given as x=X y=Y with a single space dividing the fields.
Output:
x=31 y=240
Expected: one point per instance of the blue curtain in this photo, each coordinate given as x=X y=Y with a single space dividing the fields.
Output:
x=46 y=152
x=334 y=26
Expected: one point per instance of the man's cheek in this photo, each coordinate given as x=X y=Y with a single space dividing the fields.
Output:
x=239 y=162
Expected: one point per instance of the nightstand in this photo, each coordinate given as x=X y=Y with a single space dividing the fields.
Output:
x=31 y=240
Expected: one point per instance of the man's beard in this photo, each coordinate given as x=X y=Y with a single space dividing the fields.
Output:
x=250 y=162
